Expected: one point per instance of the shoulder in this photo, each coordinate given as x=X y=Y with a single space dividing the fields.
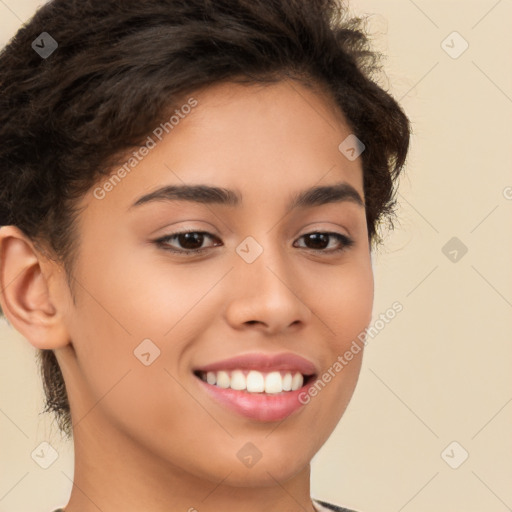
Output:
x=323 y=506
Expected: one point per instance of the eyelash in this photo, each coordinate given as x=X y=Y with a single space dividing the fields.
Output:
x=162 y=242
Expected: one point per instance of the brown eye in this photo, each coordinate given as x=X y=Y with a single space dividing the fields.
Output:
x=319 y=241
x=188 y=241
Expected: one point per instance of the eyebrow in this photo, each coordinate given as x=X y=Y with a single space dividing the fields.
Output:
x=207 y=194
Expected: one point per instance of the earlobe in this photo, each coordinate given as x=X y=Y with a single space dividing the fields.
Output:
x=25 y=296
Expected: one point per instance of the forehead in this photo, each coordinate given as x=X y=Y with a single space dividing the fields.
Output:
x=305 y=111
x=259 y=139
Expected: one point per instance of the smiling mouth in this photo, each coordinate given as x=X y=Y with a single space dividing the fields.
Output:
x=254 y=381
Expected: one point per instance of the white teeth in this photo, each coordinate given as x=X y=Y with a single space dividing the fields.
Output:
x=238 y=380
x=273 y=383
x=297 y=381
x=223 y=380
x=254 y=381
x=287 y=382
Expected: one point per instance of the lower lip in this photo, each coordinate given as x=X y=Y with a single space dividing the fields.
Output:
x=258 y=406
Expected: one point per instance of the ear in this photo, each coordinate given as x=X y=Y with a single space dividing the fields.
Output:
x=31 y=291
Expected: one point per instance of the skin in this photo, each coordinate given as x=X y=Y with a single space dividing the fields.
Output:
x=148 y=437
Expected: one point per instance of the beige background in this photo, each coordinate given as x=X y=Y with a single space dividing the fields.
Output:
x=441 y=370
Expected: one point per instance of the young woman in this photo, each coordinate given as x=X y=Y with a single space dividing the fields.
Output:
x=190 y=192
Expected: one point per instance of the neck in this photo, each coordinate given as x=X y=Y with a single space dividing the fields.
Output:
x=114 y=473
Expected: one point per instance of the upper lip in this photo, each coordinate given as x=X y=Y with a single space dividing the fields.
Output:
x=263 y=362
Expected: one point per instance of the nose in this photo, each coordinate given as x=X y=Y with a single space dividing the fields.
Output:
x=267 y=296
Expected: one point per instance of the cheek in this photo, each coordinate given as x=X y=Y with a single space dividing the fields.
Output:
x=131 y=310
x=345 y=310
x=113 y=337
x=131 y=381
x=344 y=305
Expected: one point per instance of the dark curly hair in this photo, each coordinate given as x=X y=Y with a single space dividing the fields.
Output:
x=121 y=67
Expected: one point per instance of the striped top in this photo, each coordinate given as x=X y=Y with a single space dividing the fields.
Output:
x=322 y=506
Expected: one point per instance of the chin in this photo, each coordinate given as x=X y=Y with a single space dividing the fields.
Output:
x=265 y=475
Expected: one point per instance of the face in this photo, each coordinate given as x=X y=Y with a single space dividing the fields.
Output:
x=262 y=291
